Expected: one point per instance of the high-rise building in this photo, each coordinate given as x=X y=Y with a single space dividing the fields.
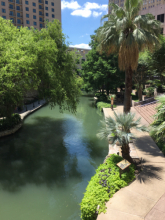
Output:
x=155 y=7
x=30 y=12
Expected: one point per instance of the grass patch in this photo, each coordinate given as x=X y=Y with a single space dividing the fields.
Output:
x=101 y=105
x=103 y=185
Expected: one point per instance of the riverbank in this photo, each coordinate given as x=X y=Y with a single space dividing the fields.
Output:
x=142 y=199
x=32 y=108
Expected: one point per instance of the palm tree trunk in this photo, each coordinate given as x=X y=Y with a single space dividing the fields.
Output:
x=125 y=150
x=128 y=90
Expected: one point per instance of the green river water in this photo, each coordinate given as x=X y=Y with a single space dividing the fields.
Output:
x=45 y=167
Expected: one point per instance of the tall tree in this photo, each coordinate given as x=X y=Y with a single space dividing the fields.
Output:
x=128 y=33
x=101 y=71
x=32 y=59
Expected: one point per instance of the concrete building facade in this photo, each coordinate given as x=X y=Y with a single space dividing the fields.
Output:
x=82 y=52
x=30 y=12
x=155 y=7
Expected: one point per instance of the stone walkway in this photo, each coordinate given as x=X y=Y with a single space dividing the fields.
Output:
x=145 y=197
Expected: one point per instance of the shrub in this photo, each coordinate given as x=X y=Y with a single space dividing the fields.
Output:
x=103 y=186
x=101 y=105
x=9 y=123
x=100 y=96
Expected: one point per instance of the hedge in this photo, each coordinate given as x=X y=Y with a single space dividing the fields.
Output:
x=101 y=105
x=9 y=123
x=103 y=185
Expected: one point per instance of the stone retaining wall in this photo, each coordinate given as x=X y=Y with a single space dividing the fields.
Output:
x=17 y=127
x=12 y=131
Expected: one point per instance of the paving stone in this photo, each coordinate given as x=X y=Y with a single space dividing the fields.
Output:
x=155 y=215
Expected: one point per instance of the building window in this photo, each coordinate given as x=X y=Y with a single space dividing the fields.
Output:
x=26 y=2
x=11 y=13
x=40 y=25
x=52 y=16
x=27 y=9
x=161 y=31
x=40 y=12
x=18 y=14
x=4 y=17
x=46 y=2
x=46 y=8
x=27 y=15
x=47 y=14
x=34 y=23
x=34 y=4
x=34 y=10
x=40 y=6
x=10 y=6
x=27 y=22
x=160 y=18
x=17 y=1
x=40 y=1
x=18 y=21
x=52 y=3
x=12 y=19
x=52 y=9
x=40 y=19
x=18 y=8
x=3 y=3
x=3 y=10
x=34 y=16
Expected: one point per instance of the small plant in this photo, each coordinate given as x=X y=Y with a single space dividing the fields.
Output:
x=149 y=91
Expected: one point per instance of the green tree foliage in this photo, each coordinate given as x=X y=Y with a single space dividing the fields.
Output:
x=118 y=129
x=32 y=59
x=158 y=126
x=127 y=33
x=101 y=71
x=141 y=75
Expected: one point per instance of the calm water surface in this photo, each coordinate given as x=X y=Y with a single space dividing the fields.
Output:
x=46 y=166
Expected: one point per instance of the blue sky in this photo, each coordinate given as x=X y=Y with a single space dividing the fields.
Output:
x=81 y=18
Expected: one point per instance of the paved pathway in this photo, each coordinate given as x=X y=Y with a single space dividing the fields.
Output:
x=145 y=197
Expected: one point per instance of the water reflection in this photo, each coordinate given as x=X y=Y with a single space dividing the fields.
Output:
x=37 y=157
x=45 y=167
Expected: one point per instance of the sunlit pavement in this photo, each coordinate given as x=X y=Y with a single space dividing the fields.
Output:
x=145 y=197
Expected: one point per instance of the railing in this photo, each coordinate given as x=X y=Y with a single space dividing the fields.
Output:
x=144 y=102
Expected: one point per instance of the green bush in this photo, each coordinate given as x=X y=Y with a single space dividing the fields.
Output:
x=9 y=123
x=101 y=105
x=100 y=96
x=103 y=186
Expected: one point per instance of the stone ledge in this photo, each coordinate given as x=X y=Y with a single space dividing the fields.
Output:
x=17 y=127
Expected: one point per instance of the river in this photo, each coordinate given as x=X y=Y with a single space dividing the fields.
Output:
x=45 y=167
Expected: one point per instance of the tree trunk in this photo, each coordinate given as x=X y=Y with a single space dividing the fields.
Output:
x=125 y=150
x=140 y=93
x=128 y=90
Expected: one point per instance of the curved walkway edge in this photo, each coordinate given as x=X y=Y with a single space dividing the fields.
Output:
x=23 y=116
x=144 y=198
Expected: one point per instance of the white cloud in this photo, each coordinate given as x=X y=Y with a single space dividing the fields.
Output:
x=84 y=35
x=83 y=46
x=82 y=12
x=85 y=10
x=70 y=5
x=96 y=14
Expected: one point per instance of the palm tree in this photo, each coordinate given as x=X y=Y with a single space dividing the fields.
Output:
x=158 y=126
x=127 y=33
x=118 y=130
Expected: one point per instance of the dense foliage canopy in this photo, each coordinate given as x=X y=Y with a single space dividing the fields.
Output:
x=32 y=59
x=100 y=72
x=127 y=33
